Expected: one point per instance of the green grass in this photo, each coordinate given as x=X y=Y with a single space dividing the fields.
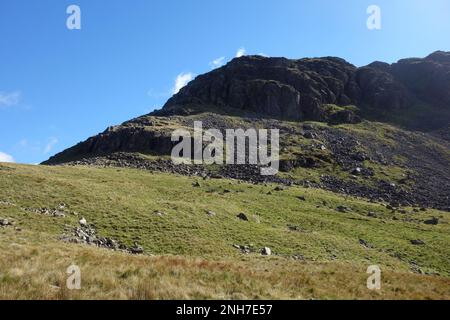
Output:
x=121 y=203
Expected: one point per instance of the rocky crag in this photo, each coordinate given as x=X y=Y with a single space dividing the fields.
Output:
x=380 y=131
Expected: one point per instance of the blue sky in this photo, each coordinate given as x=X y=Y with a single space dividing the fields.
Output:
x=60 y=86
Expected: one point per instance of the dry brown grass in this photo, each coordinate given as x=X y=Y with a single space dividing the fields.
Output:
x=33 y=271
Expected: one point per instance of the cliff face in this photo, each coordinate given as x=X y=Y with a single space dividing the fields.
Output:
x=278 y=87
x=412 y=92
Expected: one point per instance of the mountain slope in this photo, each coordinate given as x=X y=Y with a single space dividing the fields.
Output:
x=318 y=250
x=343 y=128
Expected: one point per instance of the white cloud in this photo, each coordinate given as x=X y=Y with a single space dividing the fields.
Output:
x=8 y=99
x=181 y=80
x=241 y=52
x=217 y=62
x=6 y=157
x=49 y=146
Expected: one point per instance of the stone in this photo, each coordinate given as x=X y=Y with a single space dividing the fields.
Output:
x=343 y=209
x=433 y=221
x=266 y=251
x=417 y=242
x=62 y=206
x=83 y=222
x=4 y=222
x=137 y=249
x=310 y=135
x=211 y=213
x=242 y=216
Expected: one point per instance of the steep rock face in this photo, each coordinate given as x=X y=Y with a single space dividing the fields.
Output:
x=412 y=92
x=428 y=78
x=124 y=138
x=380 y=90
x=296 y=89
x=278 y=87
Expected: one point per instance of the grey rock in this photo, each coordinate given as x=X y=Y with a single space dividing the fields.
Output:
x=343 y=209
x=137 y=249
x=433 y=221
x=211 y=213
x=417 y=242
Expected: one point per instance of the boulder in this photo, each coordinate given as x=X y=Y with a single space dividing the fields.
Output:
x=417 y=242
x=83 y=222
x=433 y=221
x=242 y=216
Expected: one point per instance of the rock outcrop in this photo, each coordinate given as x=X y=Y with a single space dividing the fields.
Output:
x=415 y=90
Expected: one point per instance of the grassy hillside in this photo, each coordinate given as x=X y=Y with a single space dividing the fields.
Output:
x=318 y=251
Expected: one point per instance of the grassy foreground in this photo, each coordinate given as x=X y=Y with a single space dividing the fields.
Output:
x=318 y=252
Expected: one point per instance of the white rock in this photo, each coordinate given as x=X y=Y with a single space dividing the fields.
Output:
x=83 y=222
x=266 y=251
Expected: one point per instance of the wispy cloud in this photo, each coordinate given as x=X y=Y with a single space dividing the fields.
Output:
x=9 y=99
x=217 y=63
x=4 y=157
x=49 y=146
x=241 y=52
x=181 y=80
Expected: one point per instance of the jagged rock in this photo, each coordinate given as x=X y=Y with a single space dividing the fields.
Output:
x=85 y=234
